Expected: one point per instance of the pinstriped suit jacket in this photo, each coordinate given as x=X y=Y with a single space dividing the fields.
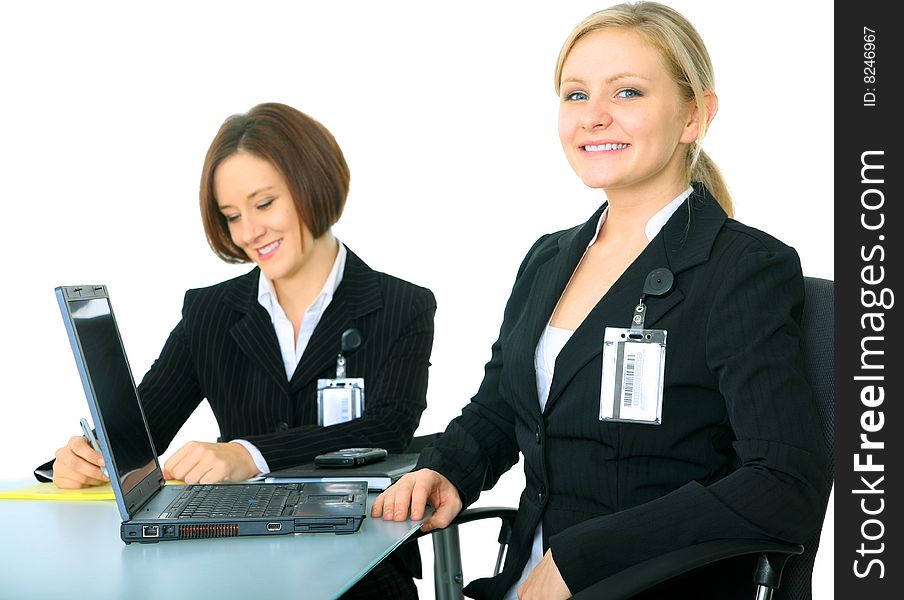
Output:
x=737 y=453
x=225 y=349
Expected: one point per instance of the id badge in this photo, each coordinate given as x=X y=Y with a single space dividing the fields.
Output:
x=339 y=400
x=633 y=374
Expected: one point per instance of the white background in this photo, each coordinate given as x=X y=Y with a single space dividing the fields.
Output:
x=447 y=117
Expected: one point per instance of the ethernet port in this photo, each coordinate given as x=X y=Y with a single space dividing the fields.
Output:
x=150 y=531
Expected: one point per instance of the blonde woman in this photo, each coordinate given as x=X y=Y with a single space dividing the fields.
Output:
x=729 y=448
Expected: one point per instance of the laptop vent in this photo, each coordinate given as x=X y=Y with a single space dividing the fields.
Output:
x=213 y=530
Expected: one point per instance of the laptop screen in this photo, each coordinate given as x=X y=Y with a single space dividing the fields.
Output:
x=103 y=361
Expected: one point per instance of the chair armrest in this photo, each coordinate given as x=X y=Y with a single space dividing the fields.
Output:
x=506 y=514
x=477 y=513
x=635 y=579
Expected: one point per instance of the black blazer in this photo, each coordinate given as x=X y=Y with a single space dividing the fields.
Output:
x=225 y=349
x=737 y=453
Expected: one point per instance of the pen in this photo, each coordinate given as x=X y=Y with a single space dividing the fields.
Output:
x=89 y=435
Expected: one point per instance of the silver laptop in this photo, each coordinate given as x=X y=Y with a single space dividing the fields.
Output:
x=152 y=511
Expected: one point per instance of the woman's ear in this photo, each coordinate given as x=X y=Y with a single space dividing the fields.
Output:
x=692 y=129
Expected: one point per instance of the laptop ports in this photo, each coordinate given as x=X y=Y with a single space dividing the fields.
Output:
x=274 y=526
x=150 y=531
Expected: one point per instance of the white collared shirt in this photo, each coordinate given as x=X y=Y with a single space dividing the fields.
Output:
x=656 y=222
x=551 y=342
x=291 y=349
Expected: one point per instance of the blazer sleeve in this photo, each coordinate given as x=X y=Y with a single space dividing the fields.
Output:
x=170 y=391
x=778 y=491
x=479 y=446
x=394 y=398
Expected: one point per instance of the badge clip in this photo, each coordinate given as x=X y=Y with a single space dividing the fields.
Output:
x=341 y=399
x=634 y=363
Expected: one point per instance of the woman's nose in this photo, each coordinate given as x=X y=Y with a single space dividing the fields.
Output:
x=595 y=115
x=251 y=230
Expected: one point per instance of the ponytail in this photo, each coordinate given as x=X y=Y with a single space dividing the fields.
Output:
x=703 y=169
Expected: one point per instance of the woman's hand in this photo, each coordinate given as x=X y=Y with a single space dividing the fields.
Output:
x=77 y=465
x=204 y=462
x=544 y=582
x=415 y=490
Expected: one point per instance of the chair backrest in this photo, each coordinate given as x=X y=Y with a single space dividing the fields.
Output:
x=818 y=349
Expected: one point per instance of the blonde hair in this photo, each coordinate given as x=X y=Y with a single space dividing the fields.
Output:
x=687 y=60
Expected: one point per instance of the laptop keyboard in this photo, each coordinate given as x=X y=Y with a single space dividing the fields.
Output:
x=234 y=500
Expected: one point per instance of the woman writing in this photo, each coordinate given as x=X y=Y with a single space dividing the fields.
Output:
x=729 y=446
x=274 y=182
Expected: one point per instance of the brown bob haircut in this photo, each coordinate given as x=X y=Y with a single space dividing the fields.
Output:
x=301 y=149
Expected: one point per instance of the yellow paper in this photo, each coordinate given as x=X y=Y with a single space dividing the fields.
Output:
x=49 y=491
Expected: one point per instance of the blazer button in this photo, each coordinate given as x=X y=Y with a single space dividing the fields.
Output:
x=541 y=494
x=282 y=426
x=537 y=434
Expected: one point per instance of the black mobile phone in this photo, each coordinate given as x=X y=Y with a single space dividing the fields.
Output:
x=350 y=457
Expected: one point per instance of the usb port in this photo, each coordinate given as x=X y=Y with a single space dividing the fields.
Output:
x=274 y=526
x=150 y=531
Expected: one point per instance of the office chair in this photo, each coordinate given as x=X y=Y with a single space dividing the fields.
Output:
x=775 y=560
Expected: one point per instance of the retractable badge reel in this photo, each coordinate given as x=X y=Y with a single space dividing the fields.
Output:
x=341 y=399
x=634 y=363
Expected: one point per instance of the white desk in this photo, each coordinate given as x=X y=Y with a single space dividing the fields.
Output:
x=64 y=549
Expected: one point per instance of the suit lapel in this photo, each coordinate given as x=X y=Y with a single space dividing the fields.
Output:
x=253 y=333
x=551 y=278
x=358 y=294
x=684 y=242
x=556 y=264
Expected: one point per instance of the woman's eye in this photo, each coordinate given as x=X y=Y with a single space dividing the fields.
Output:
x=575 y=96
x=231 y=218
x=629 y=93
x=265 y=204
